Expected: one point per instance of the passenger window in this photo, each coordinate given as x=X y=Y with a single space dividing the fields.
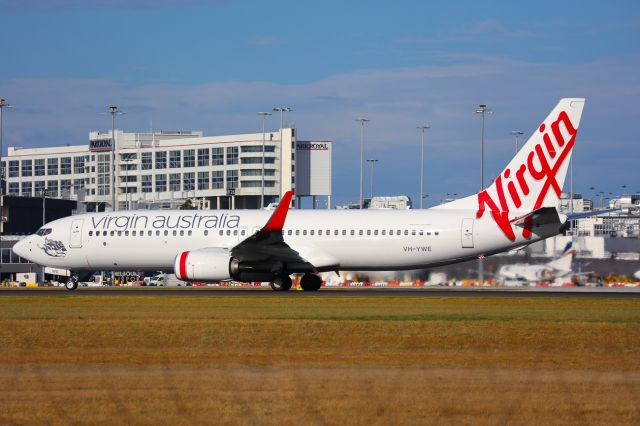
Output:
x=336 y=232
x=406 y=232
x=420 y=232
x=328 y=232
x=134 y=233
x=289 y=232
x=113 y=233
x=436 y=233
x=119 y=233
x=390 y=231
x=175 y=232
x=126 y=233
x=375 y=232
x=221 y=232
x=182 y=232
x=344 y=232
x=157 y=233
x=384 y=232
x=206 y=232
x=166 y=233
x=360 y=232
x=319 y=231
x=297 y=232
x=304 y=232
x=428 y=233
x=353 y=232
x=413 y=232
x=228 y=232
x=235 y=232
x=243 y=232
x=368 y=231
x=90 y=233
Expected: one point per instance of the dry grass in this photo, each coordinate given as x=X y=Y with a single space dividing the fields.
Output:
x=336 y=360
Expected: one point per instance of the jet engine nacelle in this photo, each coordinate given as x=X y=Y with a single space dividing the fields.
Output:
x=209 y=264
x=217 y=264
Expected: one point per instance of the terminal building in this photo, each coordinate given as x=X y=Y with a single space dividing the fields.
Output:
x=163 y=169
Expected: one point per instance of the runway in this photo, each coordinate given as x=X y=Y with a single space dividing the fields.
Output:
x=564 y=292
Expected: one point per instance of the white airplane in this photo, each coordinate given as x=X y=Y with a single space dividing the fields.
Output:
x=530 y=273
x=259 y=245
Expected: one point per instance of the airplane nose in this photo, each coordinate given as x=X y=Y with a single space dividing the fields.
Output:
x=21 y=248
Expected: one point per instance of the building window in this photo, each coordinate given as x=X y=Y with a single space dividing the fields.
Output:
x=174 y=160
x=188 y=181
x=161 y=160
x=189 y=158
x=232 y=179
x=203 y=157
x=104 y=174
x=217 y=179
x=250 y=172
x=174 y=181
x=217 y=156
x=146 y=184
x=78 y=184
x=146 y=161
x=14 y=188
x=257 y=148
x=161 y=183
x=27 y=187
x=27 y=167
x=39 y=167
x=232 y=155
x=52 y=166
x=251 y=184
x=203 y=180
x=78 y=164
x=269 y=183
x=251 y=160
x=14 y=169
x=65 y=187
x=65 y=166
x=39 y=188
x=269 y=172
x=52 y=188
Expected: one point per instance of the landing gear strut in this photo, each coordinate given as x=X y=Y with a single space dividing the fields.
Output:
x=282 y=283
x=310 y=282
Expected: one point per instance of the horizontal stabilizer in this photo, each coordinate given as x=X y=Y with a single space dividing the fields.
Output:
x=537 y=218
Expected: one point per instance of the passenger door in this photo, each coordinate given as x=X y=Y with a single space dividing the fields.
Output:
x=75 y=240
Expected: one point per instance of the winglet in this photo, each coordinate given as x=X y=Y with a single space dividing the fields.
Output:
x=276 y=222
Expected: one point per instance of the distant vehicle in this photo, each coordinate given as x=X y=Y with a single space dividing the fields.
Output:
x=518 y=208
x=521 y=274
x=167 y=280
x=637 y=275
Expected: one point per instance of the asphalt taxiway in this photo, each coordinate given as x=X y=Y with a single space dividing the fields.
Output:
x=589 y=292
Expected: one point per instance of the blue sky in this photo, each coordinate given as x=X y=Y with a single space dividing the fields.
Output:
x=211 y=65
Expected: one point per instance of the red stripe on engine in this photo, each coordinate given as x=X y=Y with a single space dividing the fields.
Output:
x=183 y=265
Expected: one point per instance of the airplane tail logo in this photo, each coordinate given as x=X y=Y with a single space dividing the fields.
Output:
x=535 y=176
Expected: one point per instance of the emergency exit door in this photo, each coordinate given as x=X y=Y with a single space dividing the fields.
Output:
x=467 y=233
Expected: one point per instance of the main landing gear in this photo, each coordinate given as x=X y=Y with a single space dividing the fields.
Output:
x=308 y=282
x=282 y=283
x=72 y=283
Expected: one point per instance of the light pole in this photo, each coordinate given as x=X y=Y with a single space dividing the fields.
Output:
x=483 y=110
x=422 y=129
x=113 y=110
x=373 y=163
x=362 y=121
x=3 y=105
x=281 y=110
x=264 y=116
x=517 y=134
x=44 y=220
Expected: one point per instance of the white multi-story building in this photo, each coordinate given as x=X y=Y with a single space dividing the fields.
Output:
x=163 y=169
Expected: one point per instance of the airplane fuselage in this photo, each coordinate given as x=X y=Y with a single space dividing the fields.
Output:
x=351 y=239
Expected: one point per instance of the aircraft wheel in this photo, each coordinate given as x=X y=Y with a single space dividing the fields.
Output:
x=281 y=283
x=310 y=282
x=71 y=284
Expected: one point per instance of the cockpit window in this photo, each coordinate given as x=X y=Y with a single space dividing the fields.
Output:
x=43 y=231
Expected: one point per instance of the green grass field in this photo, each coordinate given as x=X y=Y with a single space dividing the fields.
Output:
x=325 y=360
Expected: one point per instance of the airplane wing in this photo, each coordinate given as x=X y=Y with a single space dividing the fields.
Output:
x=268 y=245
x=580 y=215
